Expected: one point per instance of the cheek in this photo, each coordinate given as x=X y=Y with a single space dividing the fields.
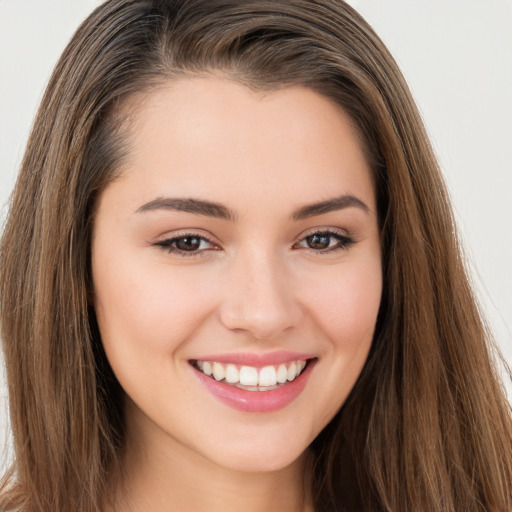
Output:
x=348 y=321
x=146 y=314
x=144 y=307
x=344 y=309
x=347 y=302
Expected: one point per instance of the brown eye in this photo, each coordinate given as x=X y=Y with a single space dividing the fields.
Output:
x=318 y=241
x=325 y=241
x=187 y=243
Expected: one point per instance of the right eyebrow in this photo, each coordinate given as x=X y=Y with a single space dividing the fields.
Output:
x=189 y=205
x=330 y=205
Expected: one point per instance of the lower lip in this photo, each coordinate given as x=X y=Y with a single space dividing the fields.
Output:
x=257 y=401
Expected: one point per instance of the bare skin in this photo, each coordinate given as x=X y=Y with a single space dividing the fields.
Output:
x=243 y=226
x=197 y=484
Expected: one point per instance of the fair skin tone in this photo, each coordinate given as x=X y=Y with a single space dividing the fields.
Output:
x=207 y=251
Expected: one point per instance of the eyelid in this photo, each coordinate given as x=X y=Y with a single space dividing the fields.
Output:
x=165 y=243
x=326 y=230
x=179 y=233
x=345 y=238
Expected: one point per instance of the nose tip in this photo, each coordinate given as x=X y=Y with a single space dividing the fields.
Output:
x=261 y=305
x=260 y=325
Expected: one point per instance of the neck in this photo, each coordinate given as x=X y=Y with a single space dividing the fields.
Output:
x=161 y=475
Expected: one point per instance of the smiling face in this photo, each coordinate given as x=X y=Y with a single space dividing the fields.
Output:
x=240 y=240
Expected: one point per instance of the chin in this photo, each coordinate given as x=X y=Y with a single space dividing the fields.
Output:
x=267 y=463
x=262 y=455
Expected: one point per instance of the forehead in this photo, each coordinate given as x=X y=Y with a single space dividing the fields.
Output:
x=212 y=136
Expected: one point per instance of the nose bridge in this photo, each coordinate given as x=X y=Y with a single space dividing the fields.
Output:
x=259 y=295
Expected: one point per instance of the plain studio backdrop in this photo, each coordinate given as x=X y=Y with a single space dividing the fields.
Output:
x=457 y=58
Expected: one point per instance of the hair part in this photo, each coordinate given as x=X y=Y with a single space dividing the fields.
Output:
x=416 y=433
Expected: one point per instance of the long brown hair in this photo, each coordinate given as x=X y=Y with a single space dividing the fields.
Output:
x=426 y=426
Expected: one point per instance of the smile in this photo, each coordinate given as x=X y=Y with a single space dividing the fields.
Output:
x=257 y=386
x=251 y=378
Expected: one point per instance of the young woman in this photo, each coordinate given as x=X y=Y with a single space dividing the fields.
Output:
x=230 y=278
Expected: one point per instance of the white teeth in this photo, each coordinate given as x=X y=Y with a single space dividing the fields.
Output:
x=232 y=374
x=292 y=371
x=267 y=376
x=248 y=376
x=207 y=368
x=218 y=371
x=282 y=374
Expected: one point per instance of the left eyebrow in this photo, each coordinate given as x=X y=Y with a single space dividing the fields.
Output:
x=329 y=205
x=189 y=205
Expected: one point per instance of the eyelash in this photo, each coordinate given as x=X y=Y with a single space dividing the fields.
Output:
x=343 y=243
x=169 y=245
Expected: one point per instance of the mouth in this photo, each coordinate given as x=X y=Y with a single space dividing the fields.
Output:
x=260 y=388
x=251 y=378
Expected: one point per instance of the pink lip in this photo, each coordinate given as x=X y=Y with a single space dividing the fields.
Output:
x=257 y=360
x=256 y=401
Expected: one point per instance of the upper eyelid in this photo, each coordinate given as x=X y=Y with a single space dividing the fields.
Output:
x=345 y=240
x=181 y=234
x=213 y=240
x=166 y=244
x=325 y=230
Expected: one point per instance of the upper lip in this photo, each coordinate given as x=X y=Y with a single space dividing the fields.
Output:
x=255 y=359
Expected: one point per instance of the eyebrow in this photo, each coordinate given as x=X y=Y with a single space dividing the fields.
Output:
x=189 y=205
x=212 y=209
x=329 y=205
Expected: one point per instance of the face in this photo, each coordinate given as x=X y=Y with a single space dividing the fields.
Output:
x=237 y=271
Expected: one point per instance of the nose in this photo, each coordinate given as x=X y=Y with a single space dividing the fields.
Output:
x=259 y=297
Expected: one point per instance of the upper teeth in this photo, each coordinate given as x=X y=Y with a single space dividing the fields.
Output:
x=250 y=375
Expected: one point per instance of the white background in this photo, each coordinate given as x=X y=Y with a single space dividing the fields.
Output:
x=457 y=58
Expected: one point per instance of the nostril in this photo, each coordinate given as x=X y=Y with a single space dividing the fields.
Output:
x=258 y=300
